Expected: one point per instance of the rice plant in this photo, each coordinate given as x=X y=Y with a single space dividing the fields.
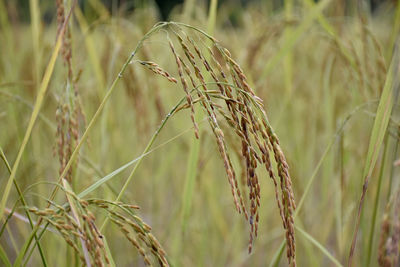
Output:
x=105 y=109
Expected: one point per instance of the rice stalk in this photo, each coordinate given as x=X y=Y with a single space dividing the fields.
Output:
x=35 y=112
x=377 y=135
x=23 y=201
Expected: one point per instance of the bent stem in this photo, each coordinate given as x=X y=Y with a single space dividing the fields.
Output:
x=38 y=104
x=146 y=150
x=378 y=133
x=151 y=142
x=102 y=104
x=376 y=203
x=21 y=195
x=92 y=122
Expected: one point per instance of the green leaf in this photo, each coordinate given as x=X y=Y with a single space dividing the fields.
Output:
x=4 y=258
x=319 y=246
x=378 y=133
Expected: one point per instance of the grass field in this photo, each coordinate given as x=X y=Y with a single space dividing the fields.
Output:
x=230 y=136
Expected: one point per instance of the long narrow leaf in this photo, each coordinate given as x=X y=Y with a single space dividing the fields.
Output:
x=379 y=128
x=4 y=258
x=38 y=104
x=22 y=198
x=319 y=246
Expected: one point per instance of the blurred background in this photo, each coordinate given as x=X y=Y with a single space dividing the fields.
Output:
x=320 y=68
x=19 y=9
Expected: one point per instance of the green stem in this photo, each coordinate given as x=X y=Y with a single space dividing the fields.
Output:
x=319 y=246
x=151 y=142
x=101 y=106
x=106 y=178
x=38 y=104
x=377 y=196
x=22 y=198
x=93 y=121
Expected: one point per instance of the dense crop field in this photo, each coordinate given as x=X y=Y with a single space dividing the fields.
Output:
x=235 y=134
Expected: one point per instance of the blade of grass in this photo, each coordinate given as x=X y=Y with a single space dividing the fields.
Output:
x=377 y=135
x=3 y=226
x=53 y=128
x=376 y=202
x=108 y=251
x=101 y=106
x=11 y=239
x=310 y=253
x=38 y=103
x=25 y=247
x=319 y=246
x=22 y=198
x=108 y=177
x=4 y=258
x=146 y=150
x=94 y=119
x=103 y=180
x=137 y=160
